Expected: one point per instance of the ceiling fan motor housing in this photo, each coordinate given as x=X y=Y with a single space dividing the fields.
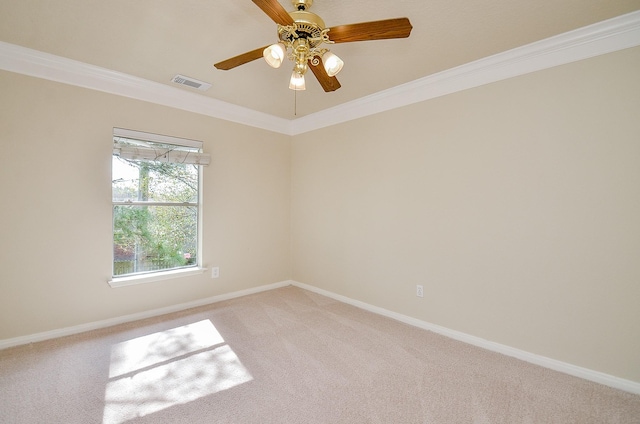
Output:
x=307 y=25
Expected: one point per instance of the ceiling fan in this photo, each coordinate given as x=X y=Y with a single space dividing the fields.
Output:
x=302 y=36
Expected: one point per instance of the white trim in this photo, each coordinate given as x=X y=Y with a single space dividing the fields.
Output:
x=68 y=331
x=133 y=280
x=594 y=40
x=604 y=37
x=38 y=64
x=543 y=361
x=566 y=368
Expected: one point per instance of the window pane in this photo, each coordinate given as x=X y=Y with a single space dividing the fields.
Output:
x=154 y=181
x=154 y=238
x=155 y=196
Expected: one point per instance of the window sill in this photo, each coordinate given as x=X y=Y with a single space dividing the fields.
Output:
x=156 y=276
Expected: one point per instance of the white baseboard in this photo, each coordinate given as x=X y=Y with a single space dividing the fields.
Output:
x=576 y=371
x=68 y=331
x=566 y=368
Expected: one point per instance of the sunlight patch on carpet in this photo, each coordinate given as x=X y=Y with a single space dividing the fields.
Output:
x=168 y=368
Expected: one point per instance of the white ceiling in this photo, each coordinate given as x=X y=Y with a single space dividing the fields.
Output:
x=157 y=39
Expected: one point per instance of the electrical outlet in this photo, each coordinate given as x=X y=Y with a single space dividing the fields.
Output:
x=419 y=291
x=215 y=272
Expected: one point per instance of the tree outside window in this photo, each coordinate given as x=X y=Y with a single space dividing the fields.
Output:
x=155 y=190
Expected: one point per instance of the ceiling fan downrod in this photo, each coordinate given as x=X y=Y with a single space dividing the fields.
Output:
x=301 y=4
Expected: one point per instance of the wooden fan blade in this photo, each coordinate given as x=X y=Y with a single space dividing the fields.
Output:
x=375 y=30
x=275 y=11
x=247 y=57
x=328 y=83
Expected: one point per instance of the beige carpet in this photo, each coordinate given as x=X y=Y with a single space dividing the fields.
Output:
x=287 y=356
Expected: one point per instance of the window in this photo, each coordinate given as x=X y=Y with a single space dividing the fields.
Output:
x=156 y=200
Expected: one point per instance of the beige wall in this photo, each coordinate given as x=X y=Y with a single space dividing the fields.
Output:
x=55 y=219
x=516 y=205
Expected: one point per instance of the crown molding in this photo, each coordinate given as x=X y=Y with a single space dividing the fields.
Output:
x=604 y=37
x=38 y=64
x=594 y=40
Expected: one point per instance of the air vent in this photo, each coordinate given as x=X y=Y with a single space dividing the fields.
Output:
x=190 y=82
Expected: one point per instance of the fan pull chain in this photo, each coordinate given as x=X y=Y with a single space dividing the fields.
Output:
x=295 y=102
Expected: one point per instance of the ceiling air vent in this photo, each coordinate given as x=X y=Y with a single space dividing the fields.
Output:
x=190 y=82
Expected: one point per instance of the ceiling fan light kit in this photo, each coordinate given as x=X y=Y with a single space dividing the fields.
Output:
x=297 y=81
x=332 y=63
x=302 y=35
x=274 y=54
x=300 y=42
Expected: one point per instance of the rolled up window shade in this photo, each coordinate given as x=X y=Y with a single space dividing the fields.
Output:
x=161 y=154
x=134 y=145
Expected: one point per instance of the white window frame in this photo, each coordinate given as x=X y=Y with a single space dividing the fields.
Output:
x=201 y=159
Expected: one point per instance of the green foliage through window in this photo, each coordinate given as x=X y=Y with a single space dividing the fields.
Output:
x=155 y=212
